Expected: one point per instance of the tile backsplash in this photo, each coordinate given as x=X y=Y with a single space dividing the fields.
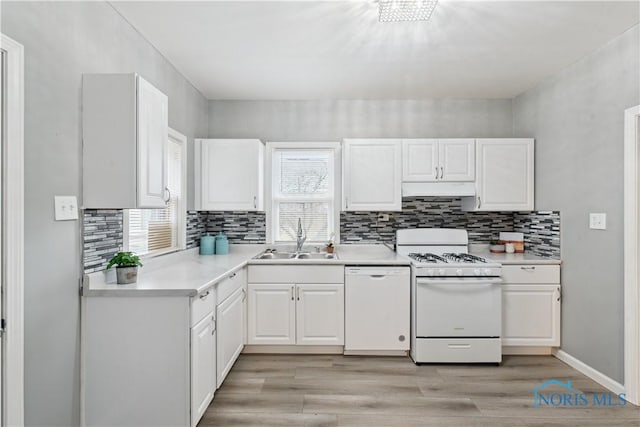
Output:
x=102 y=229
x=101 y=237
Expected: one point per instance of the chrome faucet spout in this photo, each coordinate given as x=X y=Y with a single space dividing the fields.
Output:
x=300 y=237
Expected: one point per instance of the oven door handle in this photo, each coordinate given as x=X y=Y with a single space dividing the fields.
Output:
x=434 y=281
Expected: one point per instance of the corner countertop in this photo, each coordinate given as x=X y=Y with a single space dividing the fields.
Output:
x=187 y=273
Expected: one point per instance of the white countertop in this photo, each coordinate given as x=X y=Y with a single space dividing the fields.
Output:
x=187 y=273
x=521 y=258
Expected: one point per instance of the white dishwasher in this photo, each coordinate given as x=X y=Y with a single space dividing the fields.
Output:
x=377 y=310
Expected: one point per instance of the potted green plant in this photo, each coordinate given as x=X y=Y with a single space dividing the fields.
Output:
x=127 y=264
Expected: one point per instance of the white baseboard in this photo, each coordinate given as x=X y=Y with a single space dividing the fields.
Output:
x=595 y=375
x=510 y=350
x=293 y=349
x=399 y=353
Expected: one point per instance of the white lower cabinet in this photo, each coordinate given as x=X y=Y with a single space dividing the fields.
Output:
x=203 y=363
x=320 y=314
x=531 y=305
x=286 y=308
x=230 y=321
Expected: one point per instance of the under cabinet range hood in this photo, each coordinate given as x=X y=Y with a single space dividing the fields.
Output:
x=441 y=189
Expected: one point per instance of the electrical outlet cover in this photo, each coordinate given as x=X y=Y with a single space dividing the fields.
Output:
x=598 y=221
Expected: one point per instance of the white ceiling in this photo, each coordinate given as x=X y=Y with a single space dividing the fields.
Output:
x=338 y=50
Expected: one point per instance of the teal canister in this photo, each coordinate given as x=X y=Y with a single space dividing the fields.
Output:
x=222 y=244
x=207 y=245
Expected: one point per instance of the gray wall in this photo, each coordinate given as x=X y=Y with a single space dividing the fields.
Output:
x=62 y=41
x=334 y=120
x=577 y=120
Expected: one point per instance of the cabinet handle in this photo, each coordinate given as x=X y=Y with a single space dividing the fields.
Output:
x=441 y=172
x=298 y=294
x=215 y=325
x=166 y=189
x=292 y=298
x=479 y=202
x=244 y=295
x=528 y=268
x=346 y=202
x=559 y=294
x=205 y=295
x=436 y=172
x=232 y=276
x=255 y=202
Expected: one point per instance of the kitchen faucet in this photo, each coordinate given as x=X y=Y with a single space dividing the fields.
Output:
x=301 y=238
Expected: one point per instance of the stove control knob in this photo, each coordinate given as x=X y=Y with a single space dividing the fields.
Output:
x=441 y=272
x=459 y=272
x=487 y=272
x=477 y=272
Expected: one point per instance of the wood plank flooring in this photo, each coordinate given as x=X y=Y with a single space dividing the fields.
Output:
x=328 y=390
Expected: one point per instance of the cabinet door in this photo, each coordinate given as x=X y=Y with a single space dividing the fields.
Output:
x=420 y=160
x=230 y=174
x=320 y=314
x=203 y=371
x=153 y=141
x=272 y=314
x=457 y=159
x=531 y=315
x=230 y=333
x=504 y=175
x=372 y=175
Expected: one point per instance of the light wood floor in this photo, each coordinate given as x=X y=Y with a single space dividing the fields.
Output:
x=297 y=390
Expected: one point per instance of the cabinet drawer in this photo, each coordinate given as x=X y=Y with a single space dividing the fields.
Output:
x=296 y=274
x=232 y=283
x=531 y=274
x=202 y=305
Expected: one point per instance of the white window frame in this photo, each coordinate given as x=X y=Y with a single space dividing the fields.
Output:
x=181 y=239
x=272 y=147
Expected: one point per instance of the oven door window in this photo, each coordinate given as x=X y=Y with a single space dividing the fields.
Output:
x=458 y=308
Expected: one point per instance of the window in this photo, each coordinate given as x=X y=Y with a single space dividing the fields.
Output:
x=157 y=231
x=303 y=186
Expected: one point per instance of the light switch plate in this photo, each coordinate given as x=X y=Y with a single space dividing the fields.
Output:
x=66 y=208
x=598 y=221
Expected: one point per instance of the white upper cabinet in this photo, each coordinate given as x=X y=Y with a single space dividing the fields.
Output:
x=125 y=140
x=229 y=174
x=435 y=160
x=505 y=180
x=372 y=175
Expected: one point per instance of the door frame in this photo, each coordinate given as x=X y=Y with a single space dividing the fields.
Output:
x=13 y=169
x=631 y=253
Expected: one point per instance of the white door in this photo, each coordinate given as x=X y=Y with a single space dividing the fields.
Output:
x=377 y=308
x=531 y=315
x=457 y=159
x=203 y=370
x=272 y=314
x=420 y=160
x=231 y=176
x=320 y=314
x=230 y=333
x=505 y=174
x=372 y=175
x=153 y=140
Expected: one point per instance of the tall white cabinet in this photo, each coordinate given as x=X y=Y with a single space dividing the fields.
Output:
x=124 y=142
x=504 y=175
x=229 y=174
x=372 y=175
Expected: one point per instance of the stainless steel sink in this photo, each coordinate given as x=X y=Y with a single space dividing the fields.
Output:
x=276 y=255
x=317 y=256
x=269 y=254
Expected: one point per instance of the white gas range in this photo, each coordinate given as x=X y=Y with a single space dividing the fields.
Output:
x=456 y=298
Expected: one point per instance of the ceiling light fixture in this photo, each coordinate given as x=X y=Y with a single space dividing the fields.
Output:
x=406 y=10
